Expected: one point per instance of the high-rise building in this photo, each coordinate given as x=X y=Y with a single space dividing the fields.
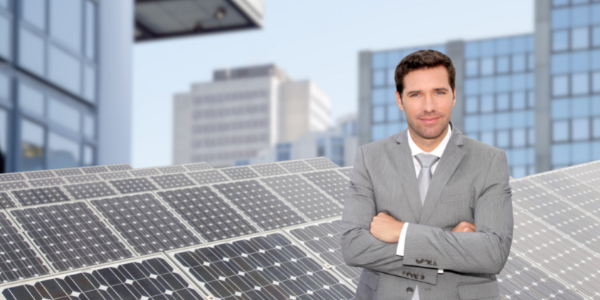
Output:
x=243 y=111
x=65 y=72
x=537 y=96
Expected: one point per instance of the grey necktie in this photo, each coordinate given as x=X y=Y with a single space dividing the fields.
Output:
x=426 y=161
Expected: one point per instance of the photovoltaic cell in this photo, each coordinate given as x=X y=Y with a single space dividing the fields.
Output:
x=40 y=196
x=152 y=278
x=39 y=174
x=321 y=163
x=237 y=173
x=303 y=196
x=259 y=204
x=82 y=178
x=346 y=171
x=144 y=172
x=145 y=223
x=6 y=201
x=331 y=182
x=94 y=169
x=172 y=181
x=121 y=167
x=89 y=190
x=18 y=260
x=198 y=166
x=587 y=173
x=207 y=213
x=68 y=172
x=115 y=175
x=323 y=240
x=296 y=166
x=264 y=267
x=70 y=235
x=208 y=176
x=13 y=185
x=134 y=185
x=172 y=169
x=11 y=177
x=46 y=182
x=562 y=184
x=269 y=169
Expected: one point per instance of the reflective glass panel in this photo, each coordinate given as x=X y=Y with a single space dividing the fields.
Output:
x=487 y=66
x=31 y=51
x=580 y=15
x=3 y=139
x=519 y=119
x=530 y=62
x=560 y=85
x=518 y=63
x=502 y=64
x=580 y=129
x=560 y=109
x=503 y=120
x=560 y=131
x=519 y=157
x=471 y=86
x=580 y=83
x=595 y=13
x=502 y=139
x=88 y=155
x=472 y=67
x=64 y=114
x=487 y=85
x=487 y=103
x=502 y=46
x=378 y=114
x=32 y=146
x=393 y=59
x=580 y=153
x=519 y=44
x=595 y=150
x=31 y=100
x=580 y=61
x=580 y=38
x=531 y=139
x=89 y=126
x=560 y=18
x=561 y=154
x=487 y=48
x=472 y=123
x=560 y=2
x=64 y=69
x=378 y=60
x=4 y=87
x=5 y=36
x=519 y=137
x=34 y=12
x=393 y=113
x=560 y=63
x=90 y=30
x=377 y=132
x=596 y=82
x=378 y=77
x=488 y=137
x=518 y=100
x=90 y=83
x=518 y=172
x=62 y=152
x=519 y=81
x=502 y=83
x=472 y=104
x=580 y=107
x=4 y=3
x=531 y=99
x=560 y=40
x=472 y=49
x=502 y=102
x=596 y=36
x=596 y=127
x=65 y=22
x=393 y=128
x=379 y=96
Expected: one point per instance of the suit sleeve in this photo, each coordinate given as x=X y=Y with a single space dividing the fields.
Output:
x=359 y=247
x=484 y=251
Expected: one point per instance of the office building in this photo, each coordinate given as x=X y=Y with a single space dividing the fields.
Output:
x=243 y=111
x=65 y=72
x=537 y=96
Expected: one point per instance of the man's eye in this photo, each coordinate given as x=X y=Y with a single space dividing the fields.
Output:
x=414 y=95
x=440 y=93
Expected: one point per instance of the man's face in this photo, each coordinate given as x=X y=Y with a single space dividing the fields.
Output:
x=427 y=101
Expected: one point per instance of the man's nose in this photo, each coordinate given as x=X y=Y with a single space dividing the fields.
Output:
x=428 y=104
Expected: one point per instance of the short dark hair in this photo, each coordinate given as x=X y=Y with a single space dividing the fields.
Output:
x=423 y=59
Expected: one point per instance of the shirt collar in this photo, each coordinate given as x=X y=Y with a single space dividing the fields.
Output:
x=438 y=151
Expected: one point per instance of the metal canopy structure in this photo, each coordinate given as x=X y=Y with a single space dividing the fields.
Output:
x=266 y=231
x=159 y=19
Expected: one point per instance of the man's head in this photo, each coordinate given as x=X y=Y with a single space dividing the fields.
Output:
x=425 y=91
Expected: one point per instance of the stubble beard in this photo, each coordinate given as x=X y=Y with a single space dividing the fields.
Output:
x=428 y=132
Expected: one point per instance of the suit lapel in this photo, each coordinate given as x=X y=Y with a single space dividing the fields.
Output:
x=405 y=167
x=451 y=158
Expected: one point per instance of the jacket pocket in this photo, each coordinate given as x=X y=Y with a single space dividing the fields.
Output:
x=367 y=285
x=479 y=290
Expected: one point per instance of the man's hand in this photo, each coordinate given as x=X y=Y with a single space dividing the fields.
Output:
x=464 y=227
x=385 y=228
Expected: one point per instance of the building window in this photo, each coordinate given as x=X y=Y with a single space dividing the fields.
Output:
x=31 y=100
x=560 y=109
x=488 y=138
x=472 y=104
x=518 y=63
x=64 y=69
x=560 y=85
x=580 y=38
x=596 y=82
x=393 y=113
x=560 y=131
x=560 y=40
x=519 y=137
x=502 y=64
x=32 y=146
x=379 y=78
x=62 y=152
x=90 y=30
x=89 y=155
x=65 y=115
x=561 y=154
x=321 y=147
x=4 y=130
x=378 y=114
x=378 y=132
x=503 y=139
x=472 y=67
x=31 y=52
x=580 y=83
x=518 y=100
x=34 y=12
x=580 y=129
x=596 y=36
x=284 y=151
x=487 y=103
x=502 y=102
x=487 y=66
x=65 y=22
x=5 y=36
x=580 y=153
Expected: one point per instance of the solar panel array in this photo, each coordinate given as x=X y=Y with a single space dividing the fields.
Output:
x=265 y=231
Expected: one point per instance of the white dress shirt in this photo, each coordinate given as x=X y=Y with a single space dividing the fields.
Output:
x=414 y=149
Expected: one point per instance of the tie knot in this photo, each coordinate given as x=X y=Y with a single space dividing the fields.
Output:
x=426 y=160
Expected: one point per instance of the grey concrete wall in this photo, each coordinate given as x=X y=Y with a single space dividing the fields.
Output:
x=456 y=51
x=543 y=89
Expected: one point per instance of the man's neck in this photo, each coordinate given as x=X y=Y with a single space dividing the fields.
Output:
x=425 y=144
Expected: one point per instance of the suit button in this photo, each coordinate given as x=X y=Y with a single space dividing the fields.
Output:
x=435 y=263
x=419 y=261
x=422 y=277
x=409 y=290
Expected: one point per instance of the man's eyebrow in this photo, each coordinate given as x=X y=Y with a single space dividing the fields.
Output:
x=435 y=89
x=411 y=92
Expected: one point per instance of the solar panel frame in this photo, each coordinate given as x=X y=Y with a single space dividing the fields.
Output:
x=172 y=181
x=239 y=173
x=94 y=169
x=198 y=166
x=200 y=177
x=133 y=185
x=45 y=182
x=115 y=175
x=6 y=201
x=82 y=178
x=346 y=171
x=172 y=169
x=68 y=172
x=81 y=191
x=144 y=172
x=296 y=166
x=13 y=185
x=8 y=177
x=42 y=195
x=334 y=193
x=269 y=169
x=39 y=174
x=119 y=167
x=321 y=163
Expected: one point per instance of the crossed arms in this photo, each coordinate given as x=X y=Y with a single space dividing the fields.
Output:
x=483 y=251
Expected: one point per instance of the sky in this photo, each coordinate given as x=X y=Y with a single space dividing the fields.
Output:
x=309 y=39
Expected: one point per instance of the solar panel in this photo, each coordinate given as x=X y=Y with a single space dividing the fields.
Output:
x=68 y=172
x=6 y=177
x=89 y=190
x=209 y=176
x=205 y=211
x=82 y=178
x=346 y=171
x=172 y=169
x=304 y=197
x=321 y=163
x=134 y=185
x=18 y=260
x=145 y=223
x=269 y=169
x=115 y=175
x=562 y=184
x=258 y=203
x=323 y=240
x=94 y=169
x=13 y=185
x=296 y=166
x=198 y=166
x=6 y=201
x=121 y=167
x=151 y=278
x=39 y=174
x=46 y=182
x=70 y=235
x=40 y=196
x=172 y=181
x=237 y=173
x=261 y=267
x=144 y=172
x=334 y=184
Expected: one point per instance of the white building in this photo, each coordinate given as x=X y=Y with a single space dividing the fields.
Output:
x=243 y=111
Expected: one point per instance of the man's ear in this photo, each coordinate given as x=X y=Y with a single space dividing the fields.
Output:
x=399 y=101
x=454 y=95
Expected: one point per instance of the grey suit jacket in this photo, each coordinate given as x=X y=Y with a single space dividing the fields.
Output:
x=470 y=184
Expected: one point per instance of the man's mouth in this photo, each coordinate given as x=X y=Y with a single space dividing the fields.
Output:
x=429 y=120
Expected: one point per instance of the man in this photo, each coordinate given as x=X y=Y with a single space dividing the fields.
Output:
x=428 y=213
